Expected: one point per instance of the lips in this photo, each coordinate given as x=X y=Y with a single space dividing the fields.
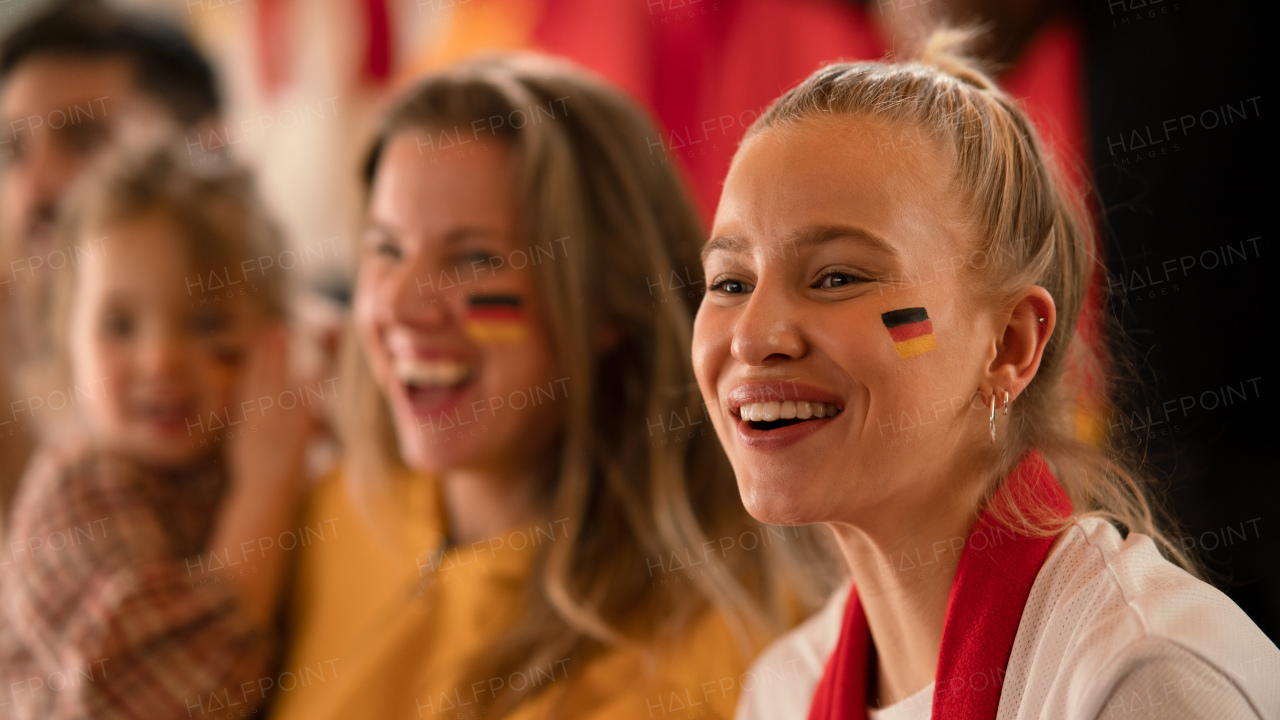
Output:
x=165 y=417
x=774 y=415
x=431 y=382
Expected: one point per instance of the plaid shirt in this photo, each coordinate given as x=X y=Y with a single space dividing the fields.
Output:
x=108 y=612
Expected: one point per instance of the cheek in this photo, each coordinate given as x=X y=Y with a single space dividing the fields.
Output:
x=365 y=316
x=712 y=338
x=8 y=196
x=522 y=378
x=710 y=346
x=217 y=379
x=523 y=364
x=922 y=384
x=857 y=343
x=103 y=372
x=363 y=300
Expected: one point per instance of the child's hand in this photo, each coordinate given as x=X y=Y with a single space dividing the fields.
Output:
x=266 y=466
x=269 y=456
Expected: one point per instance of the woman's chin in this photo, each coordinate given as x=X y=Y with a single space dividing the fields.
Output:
x=778 y=502
x=439 y=452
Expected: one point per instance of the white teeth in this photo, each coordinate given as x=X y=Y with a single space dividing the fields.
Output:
x=430 y=373
x=770 y=411
x=799 y=410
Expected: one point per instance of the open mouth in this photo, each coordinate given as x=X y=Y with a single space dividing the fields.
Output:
x=428 y=382
x=767 y=416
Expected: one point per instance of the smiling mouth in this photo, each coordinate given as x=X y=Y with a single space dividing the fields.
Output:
x=424 y=377
x=165 y=416
x=774 y=415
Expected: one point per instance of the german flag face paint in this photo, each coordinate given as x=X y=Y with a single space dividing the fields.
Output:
x=496 y=319
x=911 y=330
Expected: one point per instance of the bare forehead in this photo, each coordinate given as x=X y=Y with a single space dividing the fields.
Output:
x=50 y=82
x=837 y=165
x=414 y=177
x=892 y=149
x=427 y=198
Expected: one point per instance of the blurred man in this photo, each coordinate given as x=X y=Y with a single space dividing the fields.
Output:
x=74 y=80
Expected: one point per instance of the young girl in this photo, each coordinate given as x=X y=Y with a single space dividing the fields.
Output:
x=139 y=584
x=888 y=346
x=549 y=530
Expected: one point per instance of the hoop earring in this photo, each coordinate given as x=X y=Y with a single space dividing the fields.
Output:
x=992 y=419
x=1006 y=402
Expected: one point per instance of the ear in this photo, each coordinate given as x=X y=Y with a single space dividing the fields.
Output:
x=1029 y=321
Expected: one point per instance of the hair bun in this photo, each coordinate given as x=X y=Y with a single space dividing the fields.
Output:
x=946 y=49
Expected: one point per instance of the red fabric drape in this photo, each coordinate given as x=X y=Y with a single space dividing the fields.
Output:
x=273 y=45
x=997 y=568
x=377 y=56
x=706 y=68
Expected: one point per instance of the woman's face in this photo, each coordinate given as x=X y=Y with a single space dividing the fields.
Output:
x=449 y=316
x=832 y=244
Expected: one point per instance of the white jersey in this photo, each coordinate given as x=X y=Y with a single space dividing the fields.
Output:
x=1110 y=630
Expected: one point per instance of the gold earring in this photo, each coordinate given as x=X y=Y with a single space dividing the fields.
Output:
x=1006 y=402
x=992 y=419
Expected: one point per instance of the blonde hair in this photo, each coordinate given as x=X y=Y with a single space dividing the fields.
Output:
x=1029 y=229
x=586 y=175
x=213 y=204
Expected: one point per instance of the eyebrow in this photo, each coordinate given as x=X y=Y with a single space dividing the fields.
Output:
x=810 y=236
x=463 y=233
x=822 y=234
x=452 y=237
x=728 y=243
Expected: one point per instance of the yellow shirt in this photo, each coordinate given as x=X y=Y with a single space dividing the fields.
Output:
x=376 y=636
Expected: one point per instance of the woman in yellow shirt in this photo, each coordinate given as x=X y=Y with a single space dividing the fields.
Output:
x=533 y=519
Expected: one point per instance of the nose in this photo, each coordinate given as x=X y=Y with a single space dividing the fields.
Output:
x=409 y=298
x=162 y=354
x=49 y=173
x=768 y=329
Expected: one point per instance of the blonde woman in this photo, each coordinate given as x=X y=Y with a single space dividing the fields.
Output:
x=887 y=347
x=533 y=519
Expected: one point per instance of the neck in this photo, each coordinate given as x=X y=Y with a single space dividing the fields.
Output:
x=481 y=504
x=903 y=565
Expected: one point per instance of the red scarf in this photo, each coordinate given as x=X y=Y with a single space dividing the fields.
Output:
x=997 y=568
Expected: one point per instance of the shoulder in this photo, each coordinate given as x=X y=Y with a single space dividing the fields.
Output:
x=1104 y=605
x=71 y=486
x=698 y=672
x=341 y=532
x=783 y=677
x=345 y=576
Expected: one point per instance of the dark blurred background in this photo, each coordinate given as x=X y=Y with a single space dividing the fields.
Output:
x=1159 y=103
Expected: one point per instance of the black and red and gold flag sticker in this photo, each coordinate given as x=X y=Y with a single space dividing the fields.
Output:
x=911 y=330
x=496 y=319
